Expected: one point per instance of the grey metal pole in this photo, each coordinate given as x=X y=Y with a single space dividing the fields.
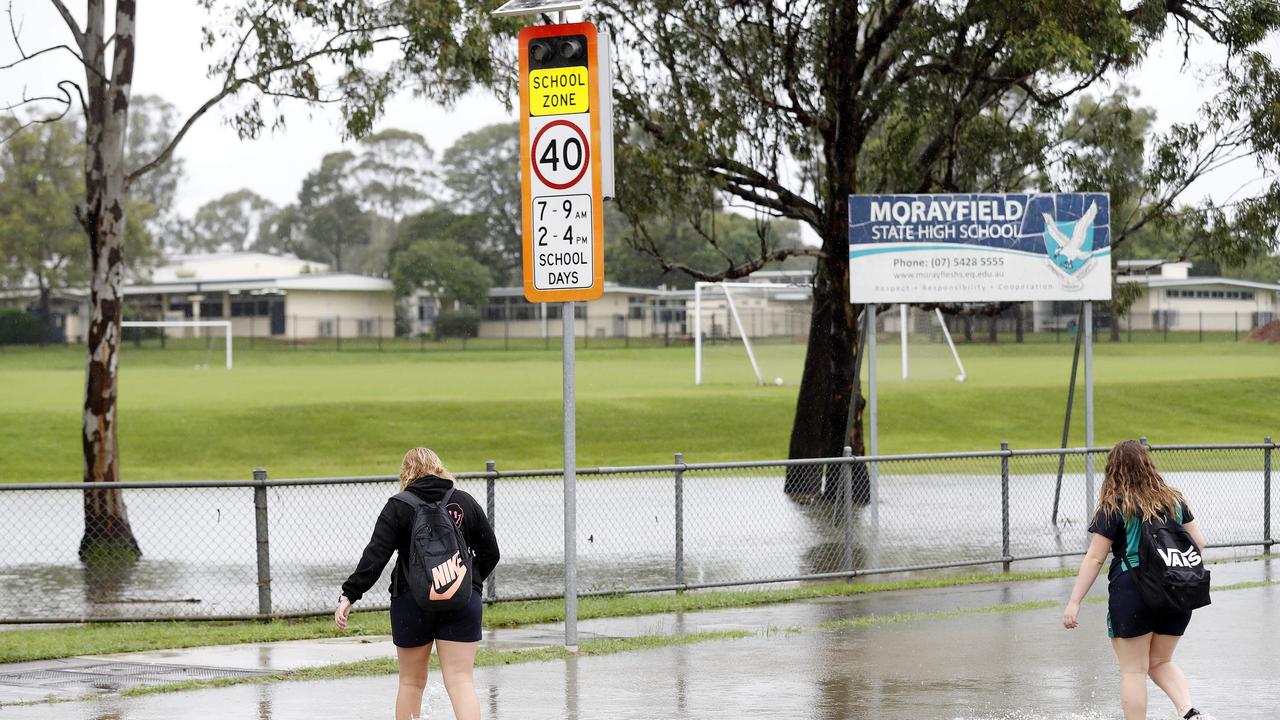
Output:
x=1004 y=504
x=490 y=496
x=679 y=518
x=570 y=484
x=263 y=541
x=1088 y=407
x=1266 y=498
x=873 y=435
x=846 y=494
x=1066 y=423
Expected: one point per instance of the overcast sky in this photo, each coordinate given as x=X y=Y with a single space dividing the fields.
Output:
x=171 y=64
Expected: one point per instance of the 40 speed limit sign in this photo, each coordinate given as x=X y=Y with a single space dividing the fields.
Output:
x=562 y=162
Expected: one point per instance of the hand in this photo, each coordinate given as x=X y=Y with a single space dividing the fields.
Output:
x=1071 y=616
x=343 y=612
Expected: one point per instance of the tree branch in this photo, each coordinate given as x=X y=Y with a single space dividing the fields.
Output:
x=72 y=25
x=232 y=84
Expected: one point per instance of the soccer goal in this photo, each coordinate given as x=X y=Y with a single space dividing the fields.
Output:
x=224 y=324
x=749 y=314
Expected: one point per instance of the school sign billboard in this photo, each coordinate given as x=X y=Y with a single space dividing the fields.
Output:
x=1009 y=247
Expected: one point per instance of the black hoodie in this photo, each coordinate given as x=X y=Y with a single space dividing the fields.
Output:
x=394 y=525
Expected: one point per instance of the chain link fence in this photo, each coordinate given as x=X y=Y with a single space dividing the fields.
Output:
x=267 y=547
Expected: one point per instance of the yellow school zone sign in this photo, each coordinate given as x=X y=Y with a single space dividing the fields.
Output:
x=559 y=91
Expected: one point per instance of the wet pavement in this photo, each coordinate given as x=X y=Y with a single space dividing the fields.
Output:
x=1012 y=665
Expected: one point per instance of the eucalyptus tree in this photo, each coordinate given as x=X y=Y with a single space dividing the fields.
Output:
x=263 y=53
x=790 y=106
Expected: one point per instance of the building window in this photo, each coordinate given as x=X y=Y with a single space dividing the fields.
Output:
x=211 y=309
x=325 y=328
x=635 y=308
x=364 y=326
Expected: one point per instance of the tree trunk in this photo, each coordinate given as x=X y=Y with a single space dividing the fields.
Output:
x=1017 y=322
x=46 y=313
x=826 y=386
x=994 y=330
x=108 y=536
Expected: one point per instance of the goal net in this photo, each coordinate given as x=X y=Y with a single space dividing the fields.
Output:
x=219 y=327
x=750 y=331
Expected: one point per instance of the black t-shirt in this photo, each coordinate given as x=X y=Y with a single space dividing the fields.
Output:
x=1123 y=533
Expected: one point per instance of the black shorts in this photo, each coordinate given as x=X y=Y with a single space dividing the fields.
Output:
x=411 y=626
x=1128 y=615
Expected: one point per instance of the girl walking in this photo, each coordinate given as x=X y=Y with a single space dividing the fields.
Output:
x=455 y=633
x=1144 y=640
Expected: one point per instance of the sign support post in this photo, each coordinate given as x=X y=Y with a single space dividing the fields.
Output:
x=873 y=433
x=1088 y=405
x=566 y=165
x=570 y=481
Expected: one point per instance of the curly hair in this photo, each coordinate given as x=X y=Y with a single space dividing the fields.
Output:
x=1134 y=487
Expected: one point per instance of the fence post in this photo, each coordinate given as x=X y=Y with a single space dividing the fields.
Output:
x=490 y=491
x=1004 y=504
x=264 y=542
x=379 y=333
x=295 y=332
x=846 y=496
x=1266 y=499
x=339 y=331
x=680 y=519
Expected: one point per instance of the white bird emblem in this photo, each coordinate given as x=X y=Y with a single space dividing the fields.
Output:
x=1072 y=249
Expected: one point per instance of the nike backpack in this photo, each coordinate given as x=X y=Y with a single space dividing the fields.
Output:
x=1171 y=574
x=439 y=568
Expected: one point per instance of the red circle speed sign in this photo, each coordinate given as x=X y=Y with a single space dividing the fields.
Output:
x=560 y=158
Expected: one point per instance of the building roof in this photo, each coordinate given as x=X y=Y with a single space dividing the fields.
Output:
x=1159 y=282
x=322 y=282
x=233 y=266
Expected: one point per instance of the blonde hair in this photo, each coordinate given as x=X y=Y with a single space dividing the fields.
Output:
x=420 y=462
x=1133 y=487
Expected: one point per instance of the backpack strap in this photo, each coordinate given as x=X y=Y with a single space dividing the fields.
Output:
x=444 y=501
x=409 y=499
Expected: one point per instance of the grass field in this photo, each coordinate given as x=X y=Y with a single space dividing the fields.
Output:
x=321 y=412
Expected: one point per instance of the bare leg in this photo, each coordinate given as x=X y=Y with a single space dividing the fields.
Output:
x=413 y=680
x=1134 y=656
x=1167 y=675
x=457 y=662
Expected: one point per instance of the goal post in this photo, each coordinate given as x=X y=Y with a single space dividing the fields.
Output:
x=768 y=318
x=224 y=324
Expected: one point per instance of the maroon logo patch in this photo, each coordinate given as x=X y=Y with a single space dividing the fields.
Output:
x=455 y=512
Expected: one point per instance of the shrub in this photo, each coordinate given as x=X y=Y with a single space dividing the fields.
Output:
x=18 y=327
x=458 y=323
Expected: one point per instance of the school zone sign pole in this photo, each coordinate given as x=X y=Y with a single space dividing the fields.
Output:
x=566 y=170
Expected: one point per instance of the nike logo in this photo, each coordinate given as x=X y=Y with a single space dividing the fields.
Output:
x=447 y=577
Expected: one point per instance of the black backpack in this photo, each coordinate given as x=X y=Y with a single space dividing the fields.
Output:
x=1171 y=574
x=439 y=568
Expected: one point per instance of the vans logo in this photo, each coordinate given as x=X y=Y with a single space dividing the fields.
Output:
x=1174 y=557
x=446 y=578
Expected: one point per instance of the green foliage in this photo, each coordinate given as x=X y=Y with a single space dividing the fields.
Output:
x=325 y=52
x=482 y=173
x=432 y=254
x=462 y=323
x=18 y=327
x=228 y=223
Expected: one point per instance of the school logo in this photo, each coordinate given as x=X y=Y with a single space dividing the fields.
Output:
x=446 y=578
x=1173 y=557
x=1070 y=244
x=455 y=512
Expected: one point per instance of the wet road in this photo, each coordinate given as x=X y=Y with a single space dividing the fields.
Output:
x=1012 y=665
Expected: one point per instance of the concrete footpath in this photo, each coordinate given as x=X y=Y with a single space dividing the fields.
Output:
x=1011 y=665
